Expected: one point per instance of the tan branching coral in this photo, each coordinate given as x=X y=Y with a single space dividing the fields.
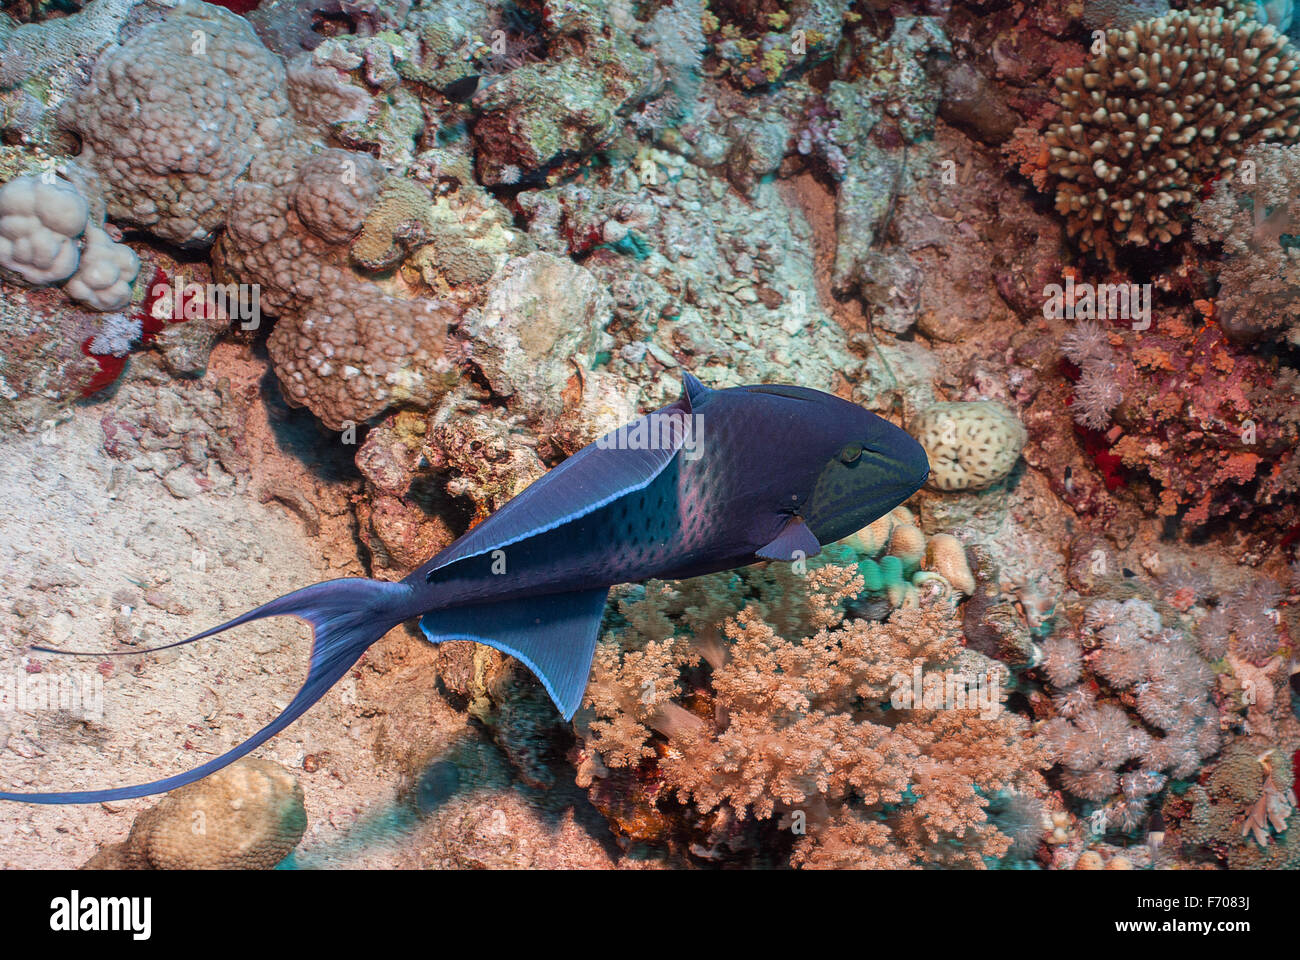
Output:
x=806 y=716
x=1166 y=108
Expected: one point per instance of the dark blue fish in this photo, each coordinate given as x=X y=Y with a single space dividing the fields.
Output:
x=720 y=479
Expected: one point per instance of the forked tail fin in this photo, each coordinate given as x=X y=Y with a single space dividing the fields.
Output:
x=347 y=616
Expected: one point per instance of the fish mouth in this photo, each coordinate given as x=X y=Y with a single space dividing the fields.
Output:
x=905 y=456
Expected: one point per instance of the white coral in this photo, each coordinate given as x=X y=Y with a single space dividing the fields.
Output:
x=39 y=224
x=116 y=333
x=103 y=281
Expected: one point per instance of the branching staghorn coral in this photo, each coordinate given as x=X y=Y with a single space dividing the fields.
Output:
x=1166 y=108
x=783 y=709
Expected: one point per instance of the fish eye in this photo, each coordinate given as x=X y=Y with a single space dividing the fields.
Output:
x=851 y=453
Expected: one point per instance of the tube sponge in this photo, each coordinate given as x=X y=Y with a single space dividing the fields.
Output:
x=39 y=224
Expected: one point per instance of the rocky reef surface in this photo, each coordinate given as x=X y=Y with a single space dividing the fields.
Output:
x=304 y=289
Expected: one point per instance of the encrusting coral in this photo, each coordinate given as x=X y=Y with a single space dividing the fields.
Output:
x=1166 y=108
x=1242 y=810
x=789 y=709
x=248 y=816
x=1211 y=422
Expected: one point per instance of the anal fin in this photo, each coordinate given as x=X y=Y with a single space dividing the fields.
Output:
x=554 y=635
x=795 y=541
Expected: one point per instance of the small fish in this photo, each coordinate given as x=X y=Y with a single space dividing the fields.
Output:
x=720 y=479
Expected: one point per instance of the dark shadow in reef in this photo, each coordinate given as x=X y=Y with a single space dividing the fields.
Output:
x=470 y=765
x=299 y=434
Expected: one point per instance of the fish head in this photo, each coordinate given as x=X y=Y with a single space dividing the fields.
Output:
x=851 y=465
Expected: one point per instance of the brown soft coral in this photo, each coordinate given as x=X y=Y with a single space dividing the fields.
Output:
x=248 y=816
x=800 y=728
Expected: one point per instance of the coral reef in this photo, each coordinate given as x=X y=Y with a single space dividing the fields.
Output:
x=402 y=258
x=1178 y=401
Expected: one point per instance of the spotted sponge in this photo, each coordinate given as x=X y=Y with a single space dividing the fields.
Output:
x=970 y=445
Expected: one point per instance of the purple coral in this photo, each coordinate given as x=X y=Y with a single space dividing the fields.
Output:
x=1094 y=740
x=1063 y=660
x=1093 y=785
x=1087 y=340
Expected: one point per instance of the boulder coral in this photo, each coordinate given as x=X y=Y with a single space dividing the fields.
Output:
x=47 y=236
x=172 y=117
x=349 y=356
x=248 y=816
x=971 y=446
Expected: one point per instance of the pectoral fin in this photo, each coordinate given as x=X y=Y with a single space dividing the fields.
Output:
x=795 y=541
x=554 y=635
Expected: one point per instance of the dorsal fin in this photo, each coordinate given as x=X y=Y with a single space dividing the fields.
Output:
x=621 y=462
x=692 y=390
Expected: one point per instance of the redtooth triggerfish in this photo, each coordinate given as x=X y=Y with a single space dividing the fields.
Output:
x=720 y=479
